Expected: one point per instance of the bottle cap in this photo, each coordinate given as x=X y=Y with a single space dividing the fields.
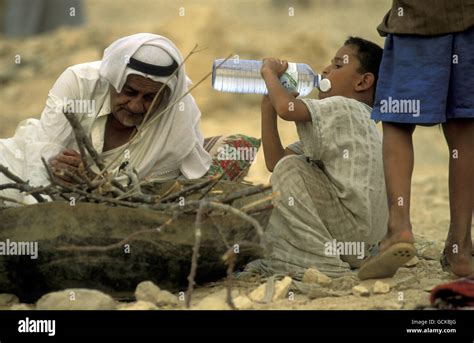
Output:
x=324 y=85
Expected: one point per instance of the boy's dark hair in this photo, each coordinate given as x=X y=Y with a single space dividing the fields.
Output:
x=369 y=55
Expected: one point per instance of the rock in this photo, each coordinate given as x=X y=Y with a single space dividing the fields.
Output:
x=314 y=276
x=76 y=299
x=281 y=288
x=389 y=305
x=242 y=302
x=7 y=299
x=344 y=283
x=137 y=306
x=212 y=302
x=258 y=294
x=162 y=258
x=381 y=287
x=360 y=291
x=369 y=284
x=405 y=282
x=280 y=291
x=413 y=262
x=22 y=307
x=427 y=284
x=215 y=301
x=148 y=291
x=431 y=253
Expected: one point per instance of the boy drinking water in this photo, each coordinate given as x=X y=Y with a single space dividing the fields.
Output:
x=332 y=195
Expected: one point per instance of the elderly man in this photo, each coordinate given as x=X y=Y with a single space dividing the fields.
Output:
x=110 y=98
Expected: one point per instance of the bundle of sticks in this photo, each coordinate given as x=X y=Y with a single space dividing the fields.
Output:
x=108 y=188
x=198 y=198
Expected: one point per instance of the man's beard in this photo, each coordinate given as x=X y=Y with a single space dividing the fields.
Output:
x=131 y=120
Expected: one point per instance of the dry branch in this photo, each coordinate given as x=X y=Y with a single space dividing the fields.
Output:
x=83 y=142
x=25 y=186
x=117 y=245
x=195 y=256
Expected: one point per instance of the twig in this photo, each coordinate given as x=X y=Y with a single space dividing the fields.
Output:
x=239 y=214
x=115 y=245
x=129 y=193
x=10 y=175
x=17 y=179
x=189 y=189
x=97 y=197
x=224 y=198
x=146 y=125
x=221 y=233
x=212 y=185
x=227 y=198
x=175 y=187
x=48 y=170
x=12 y=200
x=118 y=185
x=73 y=176
x=229 y=259
x=83 y=141
x=41 y=190
x=259 y=201
x=260 y=208
x=195 y=256
x=52 y=179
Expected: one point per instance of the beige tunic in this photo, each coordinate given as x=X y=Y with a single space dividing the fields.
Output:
x=333 y=192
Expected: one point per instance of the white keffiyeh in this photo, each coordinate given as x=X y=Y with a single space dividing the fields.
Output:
x=172 y=145
x=173 y=137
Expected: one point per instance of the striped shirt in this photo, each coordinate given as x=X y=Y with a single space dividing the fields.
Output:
x=343 y=140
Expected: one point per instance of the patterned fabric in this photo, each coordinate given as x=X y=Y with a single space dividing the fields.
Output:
x=231 y=155
x=455 y=294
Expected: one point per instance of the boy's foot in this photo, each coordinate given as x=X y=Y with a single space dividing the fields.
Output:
x=392 y=253
x=392 y=237
x=457 y=264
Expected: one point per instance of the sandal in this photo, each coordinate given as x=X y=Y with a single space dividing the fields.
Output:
x=443 y=260
x=383 y=264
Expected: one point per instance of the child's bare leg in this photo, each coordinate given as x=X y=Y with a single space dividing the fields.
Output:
x=398 y=162
x=460 y=137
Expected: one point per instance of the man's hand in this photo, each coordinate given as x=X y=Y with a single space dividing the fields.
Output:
x=274 y=66
x=69 y=160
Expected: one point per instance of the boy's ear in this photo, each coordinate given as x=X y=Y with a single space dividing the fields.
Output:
x=365 y=81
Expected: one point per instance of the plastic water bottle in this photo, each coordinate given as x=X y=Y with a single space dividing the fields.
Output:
x=243 y=76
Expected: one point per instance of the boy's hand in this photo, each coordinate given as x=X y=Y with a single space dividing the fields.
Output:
x=274 y=66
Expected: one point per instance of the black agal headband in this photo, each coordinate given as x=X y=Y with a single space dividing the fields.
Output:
x=151 y=69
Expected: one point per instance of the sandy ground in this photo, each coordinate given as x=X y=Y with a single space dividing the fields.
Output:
x=253 y=31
